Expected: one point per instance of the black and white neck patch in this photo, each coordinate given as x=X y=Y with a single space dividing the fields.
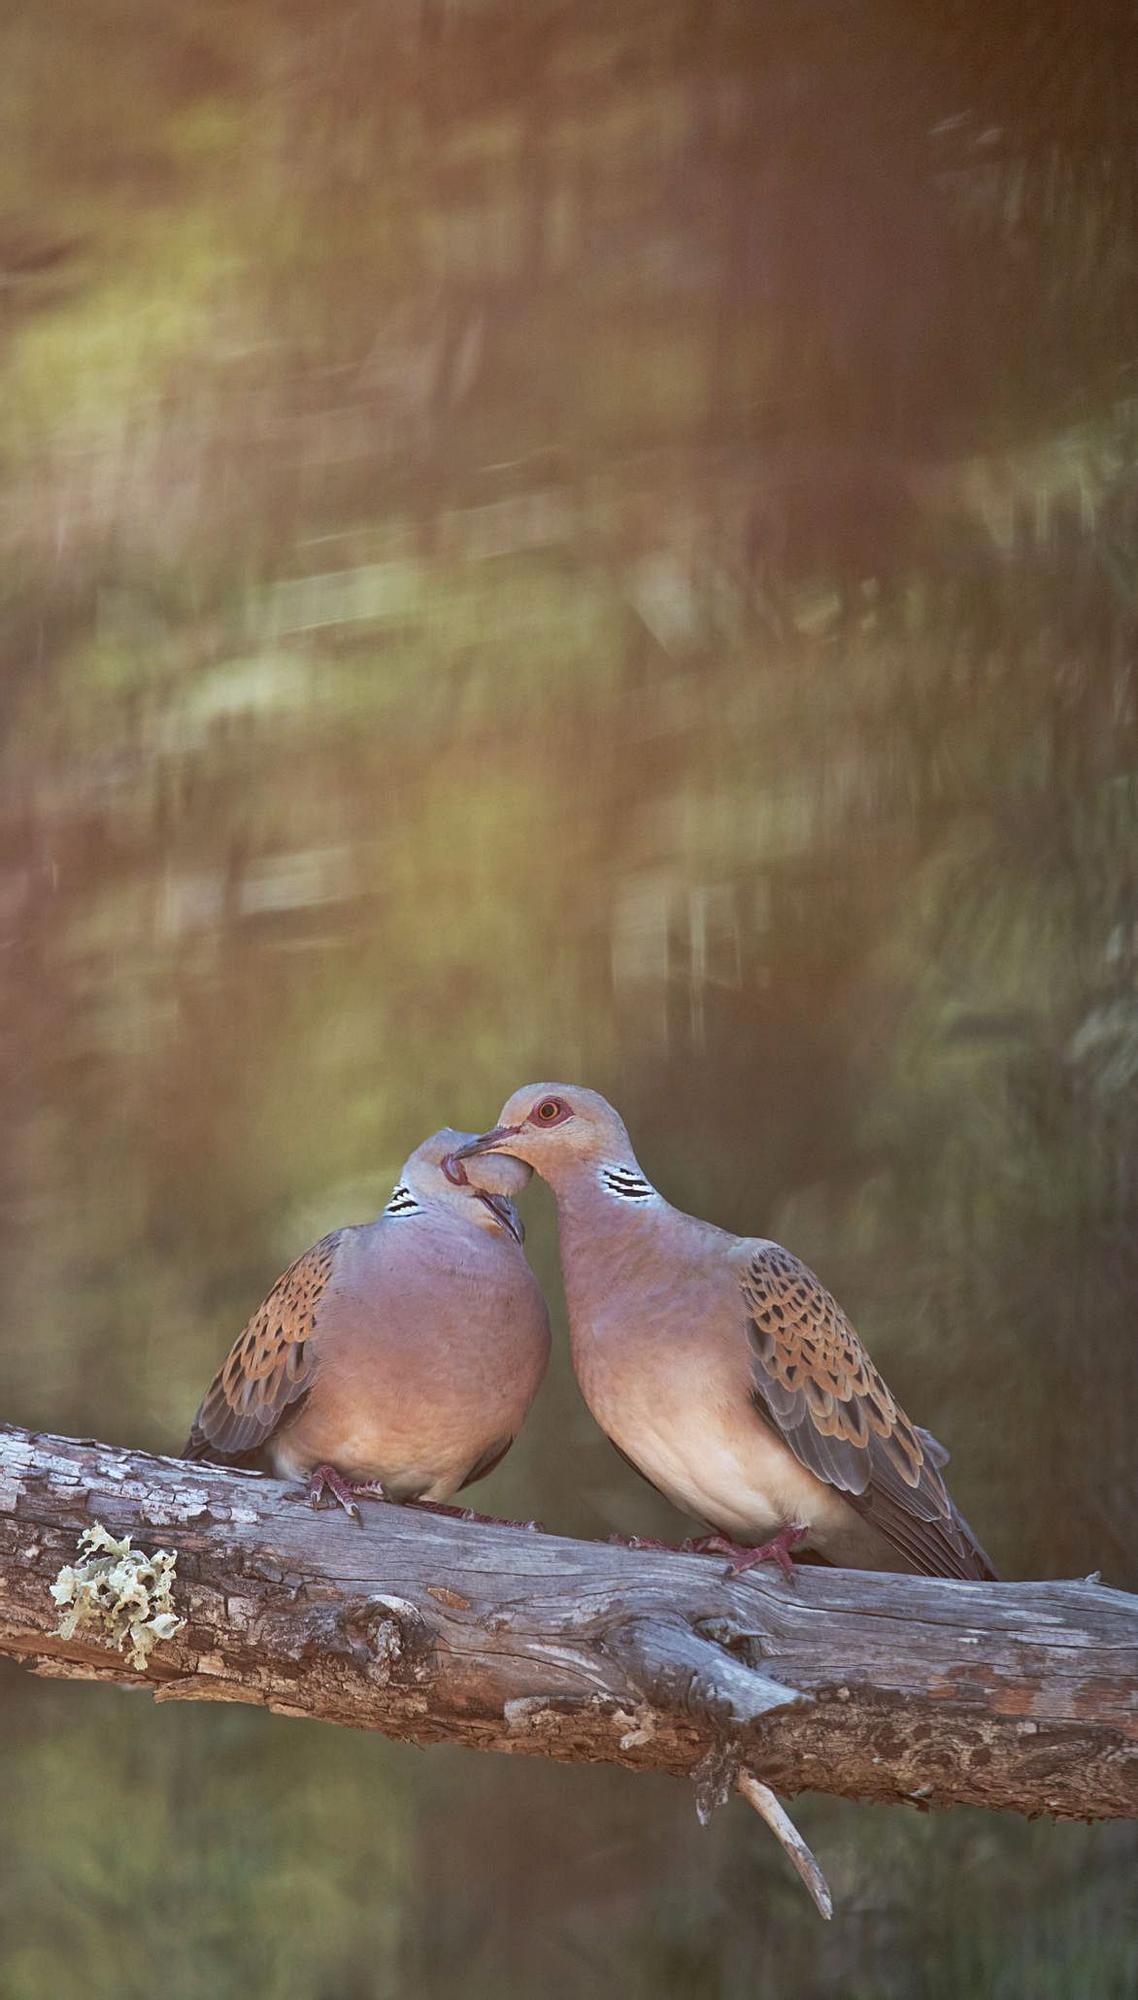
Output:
x=627 y=1182
x=402 y=1202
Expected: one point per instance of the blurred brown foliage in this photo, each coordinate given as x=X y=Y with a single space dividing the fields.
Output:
x=588 y=542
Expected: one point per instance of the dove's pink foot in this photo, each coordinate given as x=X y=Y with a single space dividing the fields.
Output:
x=777 y=1550
x=325 y=1479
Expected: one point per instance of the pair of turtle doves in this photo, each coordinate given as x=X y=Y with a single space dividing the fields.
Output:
x=399 y=1359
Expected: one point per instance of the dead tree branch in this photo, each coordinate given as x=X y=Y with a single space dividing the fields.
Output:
x=1021 y=1697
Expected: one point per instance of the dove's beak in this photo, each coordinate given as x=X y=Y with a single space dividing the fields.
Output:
x=507 y=1214
x=500 y=1205
x=488 y=1142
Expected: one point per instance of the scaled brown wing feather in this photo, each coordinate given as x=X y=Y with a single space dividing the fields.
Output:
x=815 y=1384
x=269 y=1367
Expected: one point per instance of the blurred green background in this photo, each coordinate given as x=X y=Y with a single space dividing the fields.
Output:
x=581 y=540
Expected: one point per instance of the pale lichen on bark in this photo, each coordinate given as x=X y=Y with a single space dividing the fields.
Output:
x=119 y=1594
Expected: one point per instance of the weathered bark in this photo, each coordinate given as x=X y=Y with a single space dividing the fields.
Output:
x=1020 y=1696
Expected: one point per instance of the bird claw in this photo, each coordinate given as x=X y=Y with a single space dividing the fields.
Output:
x=326 y=1479
x=777 y=1550
x=754 y=1557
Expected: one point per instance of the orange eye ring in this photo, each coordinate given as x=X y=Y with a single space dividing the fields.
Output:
x=549 y=1111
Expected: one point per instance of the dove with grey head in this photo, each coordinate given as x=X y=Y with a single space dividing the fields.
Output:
x=397 y=1358
x=722 y=1368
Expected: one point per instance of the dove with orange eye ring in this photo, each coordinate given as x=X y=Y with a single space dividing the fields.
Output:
x=723 y=1370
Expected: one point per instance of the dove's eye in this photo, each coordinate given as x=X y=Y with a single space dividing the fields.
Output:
x=550 y=1111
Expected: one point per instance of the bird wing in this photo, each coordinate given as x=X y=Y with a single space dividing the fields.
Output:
x=489 y=1459
x=814 y=1383
x=269 y=1367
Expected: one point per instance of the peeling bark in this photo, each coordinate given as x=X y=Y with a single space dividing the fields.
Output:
x=1021 y=1697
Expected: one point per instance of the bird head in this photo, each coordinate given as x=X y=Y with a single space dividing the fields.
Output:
x=554 y=1128
x=482 y=1192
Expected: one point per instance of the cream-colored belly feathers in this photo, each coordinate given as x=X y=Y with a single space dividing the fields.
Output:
x=418 y=1384
x=684 y=1417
